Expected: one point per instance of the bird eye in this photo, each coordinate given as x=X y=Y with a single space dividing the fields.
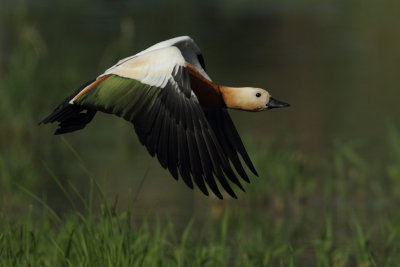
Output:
x=258 y=95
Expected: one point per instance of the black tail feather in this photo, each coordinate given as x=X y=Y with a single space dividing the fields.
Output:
x=71 y=117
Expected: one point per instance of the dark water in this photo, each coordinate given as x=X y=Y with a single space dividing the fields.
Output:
x=336 y=62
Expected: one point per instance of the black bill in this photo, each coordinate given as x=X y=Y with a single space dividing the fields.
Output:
x=273 y=103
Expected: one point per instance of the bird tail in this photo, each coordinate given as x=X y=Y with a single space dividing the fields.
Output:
x=70 y=117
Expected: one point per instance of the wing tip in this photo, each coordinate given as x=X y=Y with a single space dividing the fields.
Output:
x=254 y=172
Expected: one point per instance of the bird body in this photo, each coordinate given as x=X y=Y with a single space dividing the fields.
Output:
x=178 y=113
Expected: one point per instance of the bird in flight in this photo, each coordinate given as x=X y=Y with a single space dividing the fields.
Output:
x=178 y=113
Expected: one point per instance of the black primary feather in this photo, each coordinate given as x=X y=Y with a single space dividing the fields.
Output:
x=70 y=117
x=201 y=60
x=197 y=143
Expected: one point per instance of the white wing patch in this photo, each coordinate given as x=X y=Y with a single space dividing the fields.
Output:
x=153 y=68
x=163 y=44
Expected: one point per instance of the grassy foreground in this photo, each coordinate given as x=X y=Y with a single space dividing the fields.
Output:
x=342 y=213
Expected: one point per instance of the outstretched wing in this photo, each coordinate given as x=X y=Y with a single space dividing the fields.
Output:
x=153 y=92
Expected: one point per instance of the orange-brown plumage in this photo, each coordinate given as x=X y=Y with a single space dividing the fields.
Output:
x=207 y=92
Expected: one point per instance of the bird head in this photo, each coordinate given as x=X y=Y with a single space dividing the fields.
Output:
x=250 y=99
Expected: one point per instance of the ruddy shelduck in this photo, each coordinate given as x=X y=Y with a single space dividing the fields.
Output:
x=178 y=113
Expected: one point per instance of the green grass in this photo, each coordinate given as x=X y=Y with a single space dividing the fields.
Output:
x=336 y=216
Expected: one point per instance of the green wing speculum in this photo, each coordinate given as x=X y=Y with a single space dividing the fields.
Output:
x=121 y=96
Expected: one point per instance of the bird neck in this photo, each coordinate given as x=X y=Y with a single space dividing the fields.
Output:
x=207 y=92
x=233 y=97
x=212 y=95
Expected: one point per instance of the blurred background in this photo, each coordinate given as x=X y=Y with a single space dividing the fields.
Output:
x=336 y=62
